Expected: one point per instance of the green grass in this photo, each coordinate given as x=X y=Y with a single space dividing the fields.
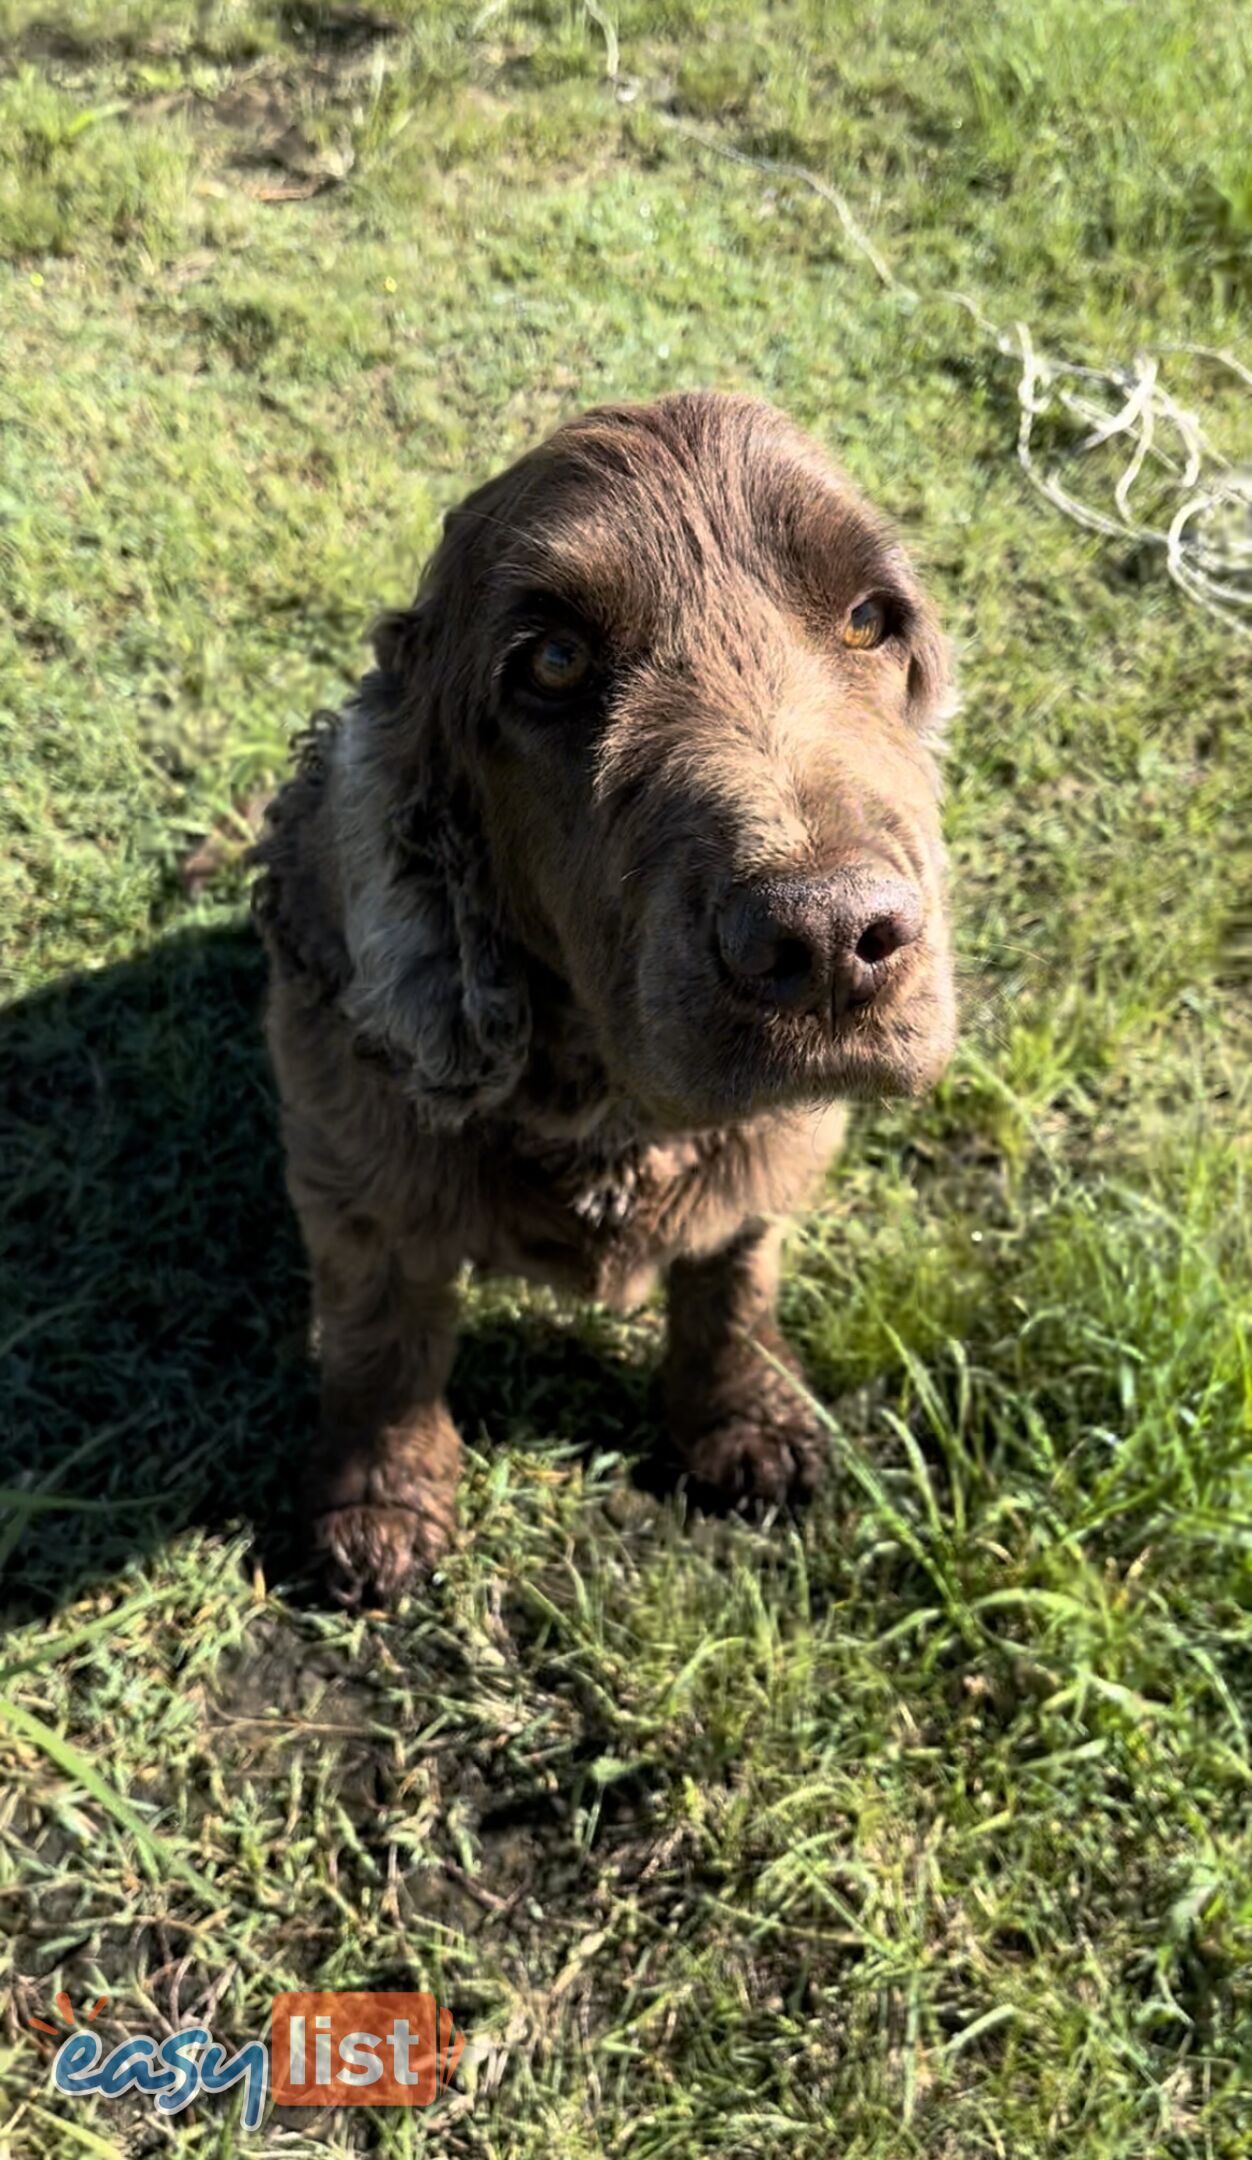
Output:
x=920 y=1832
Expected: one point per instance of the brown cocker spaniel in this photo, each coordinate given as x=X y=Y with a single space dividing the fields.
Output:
x=617 y=876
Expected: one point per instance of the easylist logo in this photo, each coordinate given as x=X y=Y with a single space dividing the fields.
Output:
x=361 y=2050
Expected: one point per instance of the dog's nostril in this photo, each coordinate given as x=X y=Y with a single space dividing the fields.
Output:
x=752 y=957
x=792 y=960
x=765 y=952
x=883 y=937
x=890 y=916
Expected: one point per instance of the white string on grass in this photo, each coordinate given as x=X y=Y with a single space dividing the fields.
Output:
x=1208 y=536
x=1203 y=503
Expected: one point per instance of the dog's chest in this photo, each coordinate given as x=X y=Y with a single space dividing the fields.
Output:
x=598 y=1220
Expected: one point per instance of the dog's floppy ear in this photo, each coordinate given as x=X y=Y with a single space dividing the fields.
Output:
x=293 y=900
x=435 y=983
x=932 y=693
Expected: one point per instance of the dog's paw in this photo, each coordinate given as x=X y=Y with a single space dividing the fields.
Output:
x=380 y=1509
x=757 y=1456
x=370 y=1552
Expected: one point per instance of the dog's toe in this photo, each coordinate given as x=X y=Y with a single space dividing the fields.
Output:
x=381 y=1510
x=370 y=1553
x=750 y=1463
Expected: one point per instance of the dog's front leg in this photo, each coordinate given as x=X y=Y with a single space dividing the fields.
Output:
x=742 y=1432
x=382 y=1495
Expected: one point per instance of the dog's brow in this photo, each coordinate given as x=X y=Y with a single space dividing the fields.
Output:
x=834 y=555
x=593 y=571
x=629 y=549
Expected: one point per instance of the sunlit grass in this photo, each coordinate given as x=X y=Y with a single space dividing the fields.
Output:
x=917 y=1832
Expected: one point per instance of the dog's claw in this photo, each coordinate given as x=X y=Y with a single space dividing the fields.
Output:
x=369 y=1553
x=747 y=1464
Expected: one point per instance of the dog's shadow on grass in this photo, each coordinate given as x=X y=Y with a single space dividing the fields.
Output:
x=154 y=1366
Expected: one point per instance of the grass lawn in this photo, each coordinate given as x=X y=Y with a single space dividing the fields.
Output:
x=920 y=1831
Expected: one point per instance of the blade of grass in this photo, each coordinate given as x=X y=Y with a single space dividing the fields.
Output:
x=74 y=1764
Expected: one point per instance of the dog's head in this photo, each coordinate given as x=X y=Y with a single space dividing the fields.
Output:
x=661 y=725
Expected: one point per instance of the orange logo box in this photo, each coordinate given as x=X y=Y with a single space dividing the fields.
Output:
x=361 y=2050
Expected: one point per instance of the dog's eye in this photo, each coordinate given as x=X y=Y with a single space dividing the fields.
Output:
x=865 y=625
x=558 y=663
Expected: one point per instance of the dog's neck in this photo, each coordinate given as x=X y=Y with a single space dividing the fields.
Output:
x=566 y=1097
x=569 y=1112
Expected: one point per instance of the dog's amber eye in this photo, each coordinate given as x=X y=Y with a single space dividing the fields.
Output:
x=558 y=663
x=865 y=625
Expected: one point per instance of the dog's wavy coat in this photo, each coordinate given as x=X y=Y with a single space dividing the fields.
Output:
x=618 y=875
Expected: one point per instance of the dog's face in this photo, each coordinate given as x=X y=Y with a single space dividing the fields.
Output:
x=681 y=684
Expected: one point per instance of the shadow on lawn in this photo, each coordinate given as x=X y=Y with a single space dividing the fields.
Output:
x=153 y=1338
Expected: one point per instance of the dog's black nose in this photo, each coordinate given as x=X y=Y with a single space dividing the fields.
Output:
x=812 y=944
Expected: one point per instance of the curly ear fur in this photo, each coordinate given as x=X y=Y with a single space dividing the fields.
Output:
x=933 y=696
x=418 y=960
x=292 y=900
